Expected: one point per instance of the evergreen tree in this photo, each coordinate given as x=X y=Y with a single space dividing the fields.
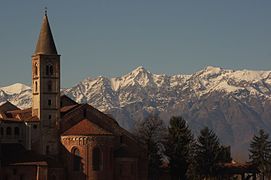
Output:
x=152 y=133
x=208 y=153
x=260 y=153
x=179 y=147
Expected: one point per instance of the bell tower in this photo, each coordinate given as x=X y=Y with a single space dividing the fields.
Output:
x=46 y=89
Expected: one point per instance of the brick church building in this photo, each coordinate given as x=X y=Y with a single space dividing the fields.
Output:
x=59 y=139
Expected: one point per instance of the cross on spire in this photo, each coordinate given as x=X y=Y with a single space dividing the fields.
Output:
x=45 y=11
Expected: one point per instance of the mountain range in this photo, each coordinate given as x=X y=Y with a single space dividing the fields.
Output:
x=234 y=103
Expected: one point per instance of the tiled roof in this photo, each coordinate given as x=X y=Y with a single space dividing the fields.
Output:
x=11 y=120
x=66 y=101
x=20 y=116
x=7 y=106
x=86 y=127
x=32 y=119
x=85 y=111
x=66 y=109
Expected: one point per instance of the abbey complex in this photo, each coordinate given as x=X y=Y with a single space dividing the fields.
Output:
x=59 y=139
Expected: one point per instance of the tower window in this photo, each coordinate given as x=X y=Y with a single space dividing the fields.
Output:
x=36 y=69
x=49 y=117
x=49 y=102
x=16 y=131
x=49 y=86
x=49 y=69
x=36 y=86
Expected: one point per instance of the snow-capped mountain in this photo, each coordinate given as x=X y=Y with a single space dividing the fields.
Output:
x=18 y=94
x=16 y=88
x=235 y=103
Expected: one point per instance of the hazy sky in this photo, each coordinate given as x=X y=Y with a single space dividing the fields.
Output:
x=112 y=37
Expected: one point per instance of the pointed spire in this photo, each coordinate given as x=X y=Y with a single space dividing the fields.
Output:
x=45 y=44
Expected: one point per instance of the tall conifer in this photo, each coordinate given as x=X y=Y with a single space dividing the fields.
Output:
x=179 y=148
x=208 y=153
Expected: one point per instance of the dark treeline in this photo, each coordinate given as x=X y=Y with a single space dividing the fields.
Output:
x=174 y=150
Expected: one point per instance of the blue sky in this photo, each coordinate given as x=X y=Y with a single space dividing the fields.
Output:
x=112 y=37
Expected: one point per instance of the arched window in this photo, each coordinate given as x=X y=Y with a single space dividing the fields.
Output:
x=36 y=69
x=2 y=131
x=49 y=69
x=16 y=131
x=8 y=131
x=76 y=159
x=49 y=86
x=96 y=159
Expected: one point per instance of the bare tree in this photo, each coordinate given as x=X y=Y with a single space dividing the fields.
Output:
x=152 y=132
